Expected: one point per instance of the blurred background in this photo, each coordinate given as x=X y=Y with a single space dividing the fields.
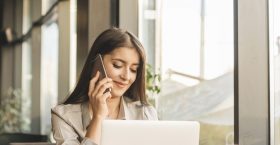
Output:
x=189 y=44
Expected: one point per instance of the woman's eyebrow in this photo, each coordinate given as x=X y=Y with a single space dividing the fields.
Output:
x=117 y=59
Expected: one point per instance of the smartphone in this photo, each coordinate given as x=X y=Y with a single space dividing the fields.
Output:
x=98 y=65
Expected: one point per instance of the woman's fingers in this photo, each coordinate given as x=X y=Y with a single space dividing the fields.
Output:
x=101 y=98
x=103 y=83
x=97 y=95
x=102 y=90
x=92 y=83
x=106 y=96
x=99 y=105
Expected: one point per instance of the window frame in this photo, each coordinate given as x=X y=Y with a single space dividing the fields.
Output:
x=251 y=104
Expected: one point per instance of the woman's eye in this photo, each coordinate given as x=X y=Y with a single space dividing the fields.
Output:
x=117 y=66
x=133 y=70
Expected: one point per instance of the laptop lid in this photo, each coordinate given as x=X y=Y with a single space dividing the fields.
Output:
x=136 y=132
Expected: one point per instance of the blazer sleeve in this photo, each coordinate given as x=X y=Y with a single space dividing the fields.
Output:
x=64 y=134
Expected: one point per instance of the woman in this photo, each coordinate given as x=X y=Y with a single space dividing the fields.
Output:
x=78 y=120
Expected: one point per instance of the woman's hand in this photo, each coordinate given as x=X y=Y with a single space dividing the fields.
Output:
x=98 y=97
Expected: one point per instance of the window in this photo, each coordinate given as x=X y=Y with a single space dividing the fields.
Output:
x=147 y=28
x=194 y=39
x=57 y=58
x=274 y=38
x=49 y=74
x=26 y=69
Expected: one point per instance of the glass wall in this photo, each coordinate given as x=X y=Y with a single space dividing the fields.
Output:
x=147 y=28
x=49 y=69
x=274 y=38
x=58 y=58
x=48 y=61
x=196 y=63
x=49 y=74
x=26 y=68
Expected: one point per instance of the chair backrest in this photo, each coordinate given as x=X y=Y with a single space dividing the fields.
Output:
x=7 y=138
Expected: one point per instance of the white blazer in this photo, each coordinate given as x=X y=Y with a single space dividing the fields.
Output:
x=70 y=122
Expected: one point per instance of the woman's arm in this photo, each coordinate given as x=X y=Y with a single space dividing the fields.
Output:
x=98 y=105
x=94 y=130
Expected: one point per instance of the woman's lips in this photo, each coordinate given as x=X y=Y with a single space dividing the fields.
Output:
x=120 y=84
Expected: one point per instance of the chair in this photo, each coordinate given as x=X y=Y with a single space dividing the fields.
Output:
x=7 y=138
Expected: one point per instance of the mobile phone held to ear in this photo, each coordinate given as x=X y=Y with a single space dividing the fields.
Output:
x=99 y=66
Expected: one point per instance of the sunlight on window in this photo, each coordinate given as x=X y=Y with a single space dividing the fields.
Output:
x=218 y=38
x=274 y=38
x=49 y=74
x=197 y=66
x=181 y=37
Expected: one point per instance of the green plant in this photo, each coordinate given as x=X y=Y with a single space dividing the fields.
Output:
x=11 y=119
x=152 y=84
x=152 y=80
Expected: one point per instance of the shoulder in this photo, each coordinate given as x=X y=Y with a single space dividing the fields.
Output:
x=148 y=111
x=131 y=102
x=66 y=109
x=67 y=125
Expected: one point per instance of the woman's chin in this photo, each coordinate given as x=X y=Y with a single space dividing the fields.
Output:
x=116 y=94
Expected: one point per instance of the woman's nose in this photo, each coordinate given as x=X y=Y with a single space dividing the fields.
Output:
x=125 y=74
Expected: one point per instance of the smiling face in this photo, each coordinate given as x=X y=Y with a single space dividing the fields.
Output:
x=121 y=66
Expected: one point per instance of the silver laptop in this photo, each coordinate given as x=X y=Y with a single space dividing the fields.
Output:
x=135 y=132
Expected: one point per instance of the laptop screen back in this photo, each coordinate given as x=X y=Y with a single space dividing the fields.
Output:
x=135 y=132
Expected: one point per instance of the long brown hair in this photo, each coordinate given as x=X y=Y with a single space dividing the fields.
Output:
x=105 y=43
